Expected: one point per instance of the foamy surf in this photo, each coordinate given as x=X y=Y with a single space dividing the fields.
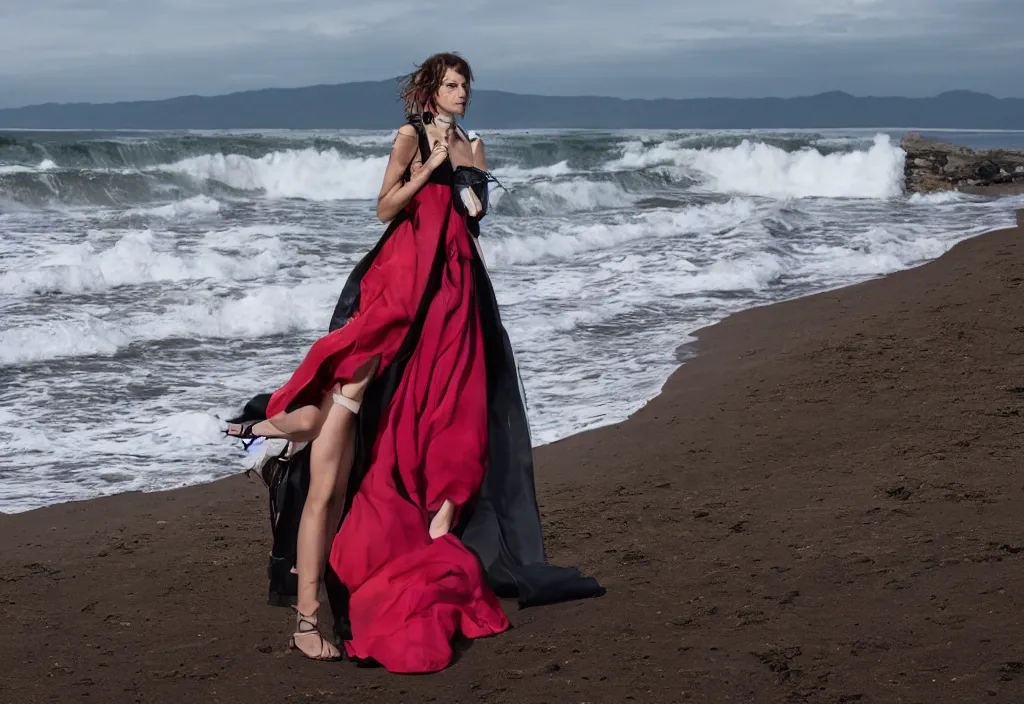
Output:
x=306 y=173
x=269 y=310
x=133 y=259
x=758 y=169
x=569 y=239
x=166 y=279
x=196 y=205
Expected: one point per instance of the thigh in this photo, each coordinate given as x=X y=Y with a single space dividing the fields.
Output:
x=331 y=451
x=325 y=449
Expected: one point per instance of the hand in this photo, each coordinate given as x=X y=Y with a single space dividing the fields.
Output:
x=437 y=155
x=469 y=199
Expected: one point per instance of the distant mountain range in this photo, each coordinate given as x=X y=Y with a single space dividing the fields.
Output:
x=374 y=105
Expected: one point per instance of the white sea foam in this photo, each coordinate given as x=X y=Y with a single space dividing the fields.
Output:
x=519 y=173
x=292 y=173
x=938 y=198
x=759 y=169
x=568 y=239
x=135 y=258
x=159 y=333
x=196 y=205
x=42 y=166
x=873 y=251
x=571 y=196
x=269 y=310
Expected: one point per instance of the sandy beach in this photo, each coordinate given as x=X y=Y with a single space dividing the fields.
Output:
x=823 y=505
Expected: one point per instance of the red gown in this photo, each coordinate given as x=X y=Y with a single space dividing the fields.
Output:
x=410 y=595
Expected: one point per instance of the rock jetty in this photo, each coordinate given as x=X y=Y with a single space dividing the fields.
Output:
x=937 y=166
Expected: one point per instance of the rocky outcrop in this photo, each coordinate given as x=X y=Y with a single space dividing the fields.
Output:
x=938 y=166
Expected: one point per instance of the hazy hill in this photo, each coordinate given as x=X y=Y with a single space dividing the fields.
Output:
x=374 y=105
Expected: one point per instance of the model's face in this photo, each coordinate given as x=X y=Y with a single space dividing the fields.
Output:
x=451 y=96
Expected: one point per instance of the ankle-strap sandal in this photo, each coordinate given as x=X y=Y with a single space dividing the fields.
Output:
x=305 y=626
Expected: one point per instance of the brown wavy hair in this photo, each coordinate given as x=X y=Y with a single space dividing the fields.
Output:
x=419 y=87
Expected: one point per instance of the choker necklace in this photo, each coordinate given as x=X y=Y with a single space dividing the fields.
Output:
x=440 y=119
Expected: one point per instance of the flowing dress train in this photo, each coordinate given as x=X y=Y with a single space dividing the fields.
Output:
x=444 y=418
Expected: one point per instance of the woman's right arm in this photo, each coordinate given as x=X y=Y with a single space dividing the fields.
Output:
x=395 y=195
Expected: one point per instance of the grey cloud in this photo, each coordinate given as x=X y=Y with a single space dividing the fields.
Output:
x=64 y=50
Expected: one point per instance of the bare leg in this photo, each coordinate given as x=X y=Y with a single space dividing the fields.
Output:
x=442 y=521
x=300 y=425
x=330 y=462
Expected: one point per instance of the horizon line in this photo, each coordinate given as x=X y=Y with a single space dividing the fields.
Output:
x=742 y=130
x=185 y=96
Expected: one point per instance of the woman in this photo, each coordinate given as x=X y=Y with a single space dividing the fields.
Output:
x=440 y=514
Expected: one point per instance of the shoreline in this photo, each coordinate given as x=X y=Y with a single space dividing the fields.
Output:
x=820 y=505
x=684 y=353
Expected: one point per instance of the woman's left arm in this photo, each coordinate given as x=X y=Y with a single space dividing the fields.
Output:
x=480 y=162
x=479 y=158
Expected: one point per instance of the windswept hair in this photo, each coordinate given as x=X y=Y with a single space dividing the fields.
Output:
x=419 y=87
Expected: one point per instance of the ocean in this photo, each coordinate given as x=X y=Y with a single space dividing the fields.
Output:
x=151 y=283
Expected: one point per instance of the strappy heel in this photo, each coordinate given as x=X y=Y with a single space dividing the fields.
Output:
x=245 y=433
x=306 y=626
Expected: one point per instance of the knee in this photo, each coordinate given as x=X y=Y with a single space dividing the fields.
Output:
x=319 y=501
x=310 y=423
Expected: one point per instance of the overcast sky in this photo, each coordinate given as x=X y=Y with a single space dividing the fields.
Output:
x=101 y=50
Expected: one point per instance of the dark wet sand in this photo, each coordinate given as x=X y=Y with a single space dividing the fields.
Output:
x=827 y=505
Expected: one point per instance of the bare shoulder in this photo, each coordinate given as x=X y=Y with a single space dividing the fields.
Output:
x=404 y=143
x=407 y=130
x=477 y=146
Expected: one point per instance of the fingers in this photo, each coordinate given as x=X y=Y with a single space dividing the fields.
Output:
x=439 y=153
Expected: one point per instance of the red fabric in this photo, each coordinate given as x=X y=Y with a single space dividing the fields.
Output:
x=410 y=595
